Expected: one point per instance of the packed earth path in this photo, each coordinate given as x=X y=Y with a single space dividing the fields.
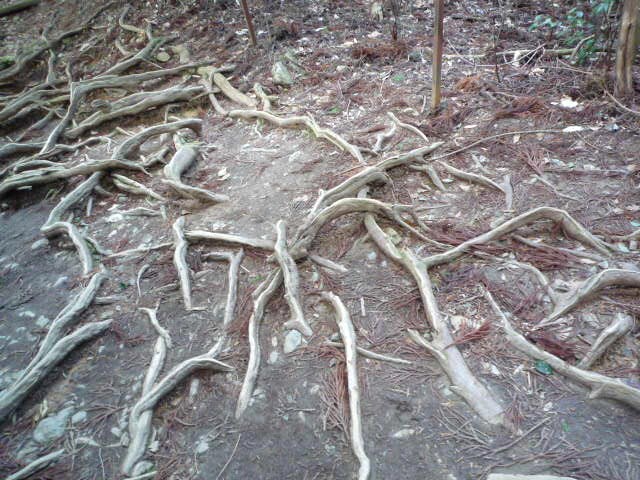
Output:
x=226 y=261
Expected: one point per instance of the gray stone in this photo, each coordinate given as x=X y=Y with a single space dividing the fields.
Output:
x=42 y=321
x=415 y=56
x=202 y=446
x=281 y=75
x=273 y=357
x=52 y=428
x=79 y=417
x=404 y=433
x=163 y=57
x=292 y=341
x=61 y=281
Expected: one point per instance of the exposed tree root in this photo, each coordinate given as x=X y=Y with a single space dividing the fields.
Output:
x=369 y=175
x=442 y=346
x=619 y=327
x=383 y=137
x=372 y=355
x=607 y=278
x=326 y=263
x=153 y=391
x=180 y=262
x=291 y=282
x=184 y=157
x=134 y=104
x=202 y=235
x=407 y=126
x=571 y=228
x=128 y=185
x=349 y=338
x=295 y=122
x=37 y=465
x=13 y=396
x=231 y=92
x=600 y=386
x=261 y=297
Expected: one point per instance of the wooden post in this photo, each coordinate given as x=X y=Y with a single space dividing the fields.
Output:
x=626 y=51
x=247 y=17
x=436 y=70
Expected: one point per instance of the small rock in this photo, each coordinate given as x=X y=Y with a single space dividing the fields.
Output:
x=42 y=321
x=273 y=357
x=116 y=432
x=181 y=50
x=404 y=433
x=292 y=341
x=193 y=390
x=114 y=218
x=372 y=255
x=202 y=446
x=163 y=57
x=281 y=75
x=79 y=417
x=124 y=440
x=43 y=242
x=52 y=428
x=415 y=56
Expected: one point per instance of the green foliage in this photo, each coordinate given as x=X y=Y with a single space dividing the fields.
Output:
x=588 y=22
x=6 y=61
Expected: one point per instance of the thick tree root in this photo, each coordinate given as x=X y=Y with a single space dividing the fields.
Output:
x=600 y=386
x=131 y=147
x=326 y=263
x=180 y=262
x=607 y=278
x=619 y=327
x=135 y=104
x=12 y=397
x=571 y=228
x=184 y=157
x=203 y=235
x=128 y=185
x=369 y=175
x=407 y=126
x=231 y=92
x=291 y=282
x=37 y=465
x=349 y=338
x=297 y=122
x=442 y=346
x=382 y=138
x=372 y=355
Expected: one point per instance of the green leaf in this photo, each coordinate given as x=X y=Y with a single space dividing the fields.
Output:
x=543 y=367
x=123 y=286
x=565 y=426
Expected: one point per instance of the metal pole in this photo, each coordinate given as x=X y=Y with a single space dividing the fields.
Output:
x=437 y=55
x=247 y=17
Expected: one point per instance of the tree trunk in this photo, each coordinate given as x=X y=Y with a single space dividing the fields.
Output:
x=627 y=46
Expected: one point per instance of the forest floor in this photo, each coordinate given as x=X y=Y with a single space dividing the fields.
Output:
x=577 y=151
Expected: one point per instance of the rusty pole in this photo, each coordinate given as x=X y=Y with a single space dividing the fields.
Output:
x=247 y=17
x=436 y=71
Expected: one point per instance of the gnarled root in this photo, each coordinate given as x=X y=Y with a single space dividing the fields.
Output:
x=442 y=346
x=184 y=157
x=231 y=92
x=349 y=338
x=294 y=122
x=180 y=262
x=619 y=327
x=200 y=235
x=600 y=386
x=291 y=282
x=372 y=355
x=569 y=224
x=37 y=465
x=14 y=395
x=129 y=185
x=607 y=278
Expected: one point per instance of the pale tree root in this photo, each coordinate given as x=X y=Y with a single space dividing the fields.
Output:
x=407 y=126
x=291 y=282
x=203 y=235
x=349 y=338
x=37 y=465
x=382 y=138
x=184 y=157
x=297 y=122
x=372 y=355
x=55 y=226
x=180 y=262
x=231 y=92
x=464 y=383
x=600 y=386
x=618 y=328
x=571 y=228
x=372 y=174
x=607 y=278
x=12 y=397
x=153 y=390
x=129 y=185
x=135 y=104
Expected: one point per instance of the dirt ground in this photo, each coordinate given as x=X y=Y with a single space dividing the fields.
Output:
x=347 y=73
